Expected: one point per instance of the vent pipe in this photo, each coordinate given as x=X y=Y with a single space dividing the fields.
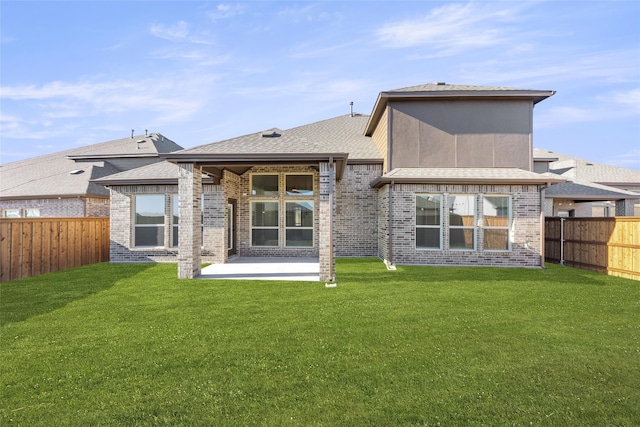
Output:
x=132 y=130
x=351 y=108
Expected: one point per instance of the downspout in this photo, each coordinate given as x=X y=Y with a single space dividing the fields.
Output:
x=390 y=226
x=332 y=176
x=542 y=224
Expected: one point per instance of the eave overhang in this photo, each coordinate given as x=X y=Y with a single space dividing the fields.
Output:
x=55 y=196
x=112 y=156
x=384 y=180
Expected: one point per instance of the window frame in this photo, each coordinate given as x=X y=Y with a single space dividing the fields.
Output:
x=7 y=213
x=507 y=227
x=440 y=226
x=288 y=174
x=473 y=227
x=28 y=212
x=312 y=227
x=278 y=189
x=135 y=224
x=260 y=227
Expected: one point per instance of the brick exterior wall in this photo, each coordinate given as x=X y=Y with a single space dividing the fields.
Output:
x=121 y=213
x=525 y=249
x=356 y=219
x=60 y=208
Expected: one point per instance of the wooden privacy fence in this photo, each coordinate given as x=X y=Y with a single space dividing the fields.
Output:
x=607 y=245
x=32 y=246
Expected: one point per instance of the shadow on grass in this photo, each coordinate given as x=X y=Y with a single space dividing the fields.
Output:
x=33 y=296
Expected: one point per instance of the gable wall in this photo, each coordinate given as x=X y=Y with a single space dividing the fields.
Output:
x=380 y=138
x=461 y=133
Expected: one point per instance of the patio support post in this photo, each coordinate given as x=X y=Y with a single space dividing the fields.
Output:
x=189 y=221
x=325 y=229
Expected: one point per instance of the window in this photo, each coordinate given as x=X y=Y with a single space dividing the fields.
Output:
x=428 y=221
x=31 y=213
x=264 y=185
x=299 y=185
x=462 y=229
x=149 y=220
x=299 y=224
x=264 y=224
x=496 y=211
x=11 y=213
x=175 y=211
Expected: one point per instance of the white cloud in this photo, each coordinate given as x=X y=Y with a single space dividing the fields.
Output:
x=226 y=10
x=171 y=98
x=453 y=27
x=175 y=32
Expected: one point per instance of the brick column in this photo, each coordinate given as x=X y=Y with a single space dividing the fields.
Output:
x=190 y=232
x=325 y=226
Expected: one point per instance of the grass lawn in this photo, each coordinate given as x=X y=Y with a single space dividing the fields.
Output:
x=133 y=345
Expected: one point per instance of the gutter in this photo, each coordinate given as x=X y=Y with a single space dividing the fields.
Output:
x=382 y=181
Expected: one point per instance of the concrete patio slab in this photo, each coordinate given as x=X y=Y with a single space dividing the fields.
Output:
x=265 y=268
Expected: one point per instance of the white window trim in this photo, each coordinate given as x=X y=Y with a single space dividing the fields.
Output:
x=440 y=226
x=508 y=227
x=276 y=227
x=312 y=228
x=473 y=227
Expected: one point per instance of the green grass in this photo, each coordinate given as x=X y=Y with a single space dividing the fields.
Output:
x=133 y=345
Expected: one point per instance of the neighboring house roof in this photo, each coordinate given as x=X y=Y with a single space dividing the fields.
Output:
x=464 y=175
x=340 y=138
x=578 y=169
x=161 y=173
x=69 y=173
x=450 y=91
x=579 y=190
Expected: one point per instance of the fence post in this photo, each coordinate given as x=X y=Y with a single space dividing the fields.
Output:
x=561 y=241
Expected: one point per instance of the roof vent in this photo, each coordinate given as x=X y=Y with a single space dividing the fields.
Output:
x=441 y=83
x=76 y=172
x=271 y=134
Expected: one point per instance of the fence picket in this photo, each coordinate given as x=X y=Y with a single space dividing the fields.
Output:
x=31 y=246
x=608 y=245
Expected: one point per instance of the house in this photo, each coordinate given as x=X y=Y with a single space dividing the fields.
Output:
x=59 y=184
x=438 y=174
x=591 y=190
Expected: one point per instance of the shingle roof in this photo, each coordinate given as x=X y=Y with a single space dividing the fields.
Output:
x=587 y=190
x=465 y=175
x=444 y=87
x=587 y=171
x=49 y=175
x=343 y=134
x=158 y=173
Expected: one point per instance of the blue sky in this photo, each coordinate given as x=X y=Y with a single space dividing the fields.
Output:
x=81 y=72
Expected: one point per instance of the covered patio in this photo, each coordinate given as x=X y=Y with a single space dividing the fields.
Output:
x=265 y=268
